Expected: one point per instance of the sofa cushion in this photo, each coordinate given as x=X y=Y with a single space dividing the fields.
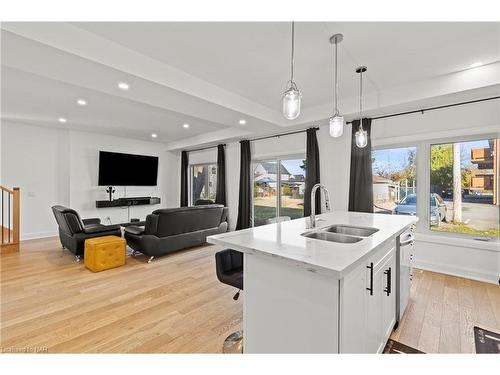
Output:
x=172 y=221
x=133 y=229
x=99 y=228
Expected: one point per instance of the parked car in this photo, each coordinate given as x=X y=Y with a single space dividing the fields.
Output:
x=448 y=193
x=408 y=206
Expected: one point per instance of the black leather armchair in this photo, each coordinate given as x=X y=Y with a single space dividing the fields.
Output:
x=73 y=231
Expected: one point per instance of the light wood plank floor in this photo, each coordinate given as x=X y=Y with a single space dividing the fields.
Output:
x=177 y=305
x=443 y=311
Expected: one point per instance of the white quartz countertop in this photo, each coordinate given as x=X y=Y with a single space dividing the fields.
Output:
x=284 y=240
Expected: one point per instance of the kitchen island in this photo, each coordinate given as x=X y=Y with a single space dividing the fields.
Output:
x=328 y=289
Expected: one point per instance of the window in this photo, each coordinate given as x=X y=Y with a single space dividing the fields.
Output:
x=203 y=182
x=464 y=193
x=395 y=181
x=278 y=189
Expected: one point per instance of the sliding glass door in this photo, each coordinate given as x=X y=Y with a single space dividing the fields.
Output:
x=278 y=189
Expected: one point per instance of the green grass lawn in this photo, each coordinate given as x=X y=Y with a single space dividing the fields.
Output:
x=464 y=228
x=262 y=213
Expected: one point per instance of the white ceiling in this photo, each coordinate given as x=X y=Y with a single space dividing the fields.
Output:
x=252 y=58
x=210 y=75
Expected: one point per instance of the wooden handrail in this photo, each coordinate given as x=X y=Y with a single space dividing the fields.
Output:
x=7 y=189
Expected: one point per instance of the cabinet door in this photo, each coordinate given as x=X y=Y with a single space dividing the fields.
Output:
x=353 y=311
x=362 y=299
x=374 y=311
x=388 y=296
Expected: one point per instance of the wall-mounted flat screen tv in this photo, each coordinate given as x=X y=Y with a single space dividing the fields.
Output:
x=117 y=169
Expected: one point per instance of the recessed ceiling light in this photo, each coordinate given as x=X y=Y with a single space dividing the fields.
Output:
x=62 y=120
x=242 y=121
x=82 y=102
x=123 y=86
x=185 y=126
x=154 y=135
x=476 y=64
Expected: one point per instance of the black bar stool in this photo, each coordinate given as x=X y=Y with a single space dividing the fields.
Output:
x=229 y=267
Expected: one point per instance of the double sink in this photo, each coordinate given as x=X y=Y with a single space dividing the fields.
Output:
x=341 y=233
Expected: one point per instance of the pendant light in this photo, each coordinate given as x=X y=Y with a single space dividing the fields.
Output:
x=361 y=135
x=337 y=120
x=292 y=95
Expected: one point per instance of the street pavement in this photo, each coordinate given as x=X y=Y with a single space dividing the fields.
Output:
x=478 y=215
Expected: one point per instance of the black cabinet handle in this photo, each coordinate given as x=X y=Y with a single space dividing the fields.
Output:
x=388 y=288
x=370 y=267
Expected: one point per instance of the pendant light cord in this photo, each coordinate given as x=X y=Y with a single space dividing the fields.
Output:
x=336 y=86
x=361 y=100
x=293 y=42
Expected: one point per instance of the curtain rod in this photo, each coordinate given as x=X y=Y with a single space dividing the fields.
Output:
x=422 y=110
x=259 y=138
x=432 y=108
x=281 y=135
x=205 y=148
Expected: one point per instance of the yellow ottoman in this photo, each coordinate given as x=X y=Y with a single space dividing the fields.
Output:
x=102 y=253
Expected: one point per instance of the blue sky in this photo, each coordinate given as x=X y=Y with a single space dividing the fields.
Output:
x=391 y=160
x=293 y=166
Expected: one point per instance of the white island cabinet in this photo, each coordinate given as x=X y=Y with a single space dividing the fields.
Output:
x=310 y=295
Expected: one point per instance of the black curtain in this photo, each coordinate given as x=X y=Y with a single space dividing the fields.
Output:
x=184 y=178
x=245 y=197
x=220 y=195
x=361 y=179
x=312 y=171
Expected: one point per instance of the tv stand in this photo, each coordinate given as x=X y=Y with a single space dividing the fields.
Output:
x=126 y=202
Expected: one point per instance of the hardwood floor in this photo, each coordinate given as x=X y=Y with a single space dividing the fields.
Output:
x=176 y=305
x=443 y=311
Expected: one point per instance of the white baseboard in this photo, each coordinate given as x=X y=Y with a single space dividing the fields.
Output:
x=33 y=236
x=458 y=271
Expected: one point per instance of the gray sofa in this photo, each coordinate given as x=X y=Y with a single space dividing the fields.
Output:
x=171 y=229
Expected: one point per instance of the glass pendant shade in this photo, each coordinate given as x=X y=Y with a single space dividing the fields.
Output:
x=291 y=103
x=337 y=120
x=361 y=138
x=361 y=135
x=336 y=125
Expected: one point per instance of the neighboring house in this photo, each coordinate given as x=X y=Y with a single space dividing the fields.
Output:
x=298 y=183
x=384 y=189
x=487 y=161
x=270 y=170
x=266 y=177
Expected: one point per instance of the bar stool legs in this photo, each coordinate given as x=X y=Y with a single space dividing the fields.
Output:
x=233 y=343
x=229 y=269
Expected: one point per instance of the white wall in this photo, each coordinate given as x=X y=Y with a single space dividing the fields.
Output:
x=30 y=161
x=60 y=166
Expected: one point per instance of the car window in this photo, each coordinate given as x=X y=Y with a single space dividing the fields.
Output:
x=433 y=200
x=409 y=199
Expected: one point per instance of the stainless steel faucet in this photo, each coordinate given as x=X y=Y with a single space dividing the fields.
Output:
x=312 y=218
